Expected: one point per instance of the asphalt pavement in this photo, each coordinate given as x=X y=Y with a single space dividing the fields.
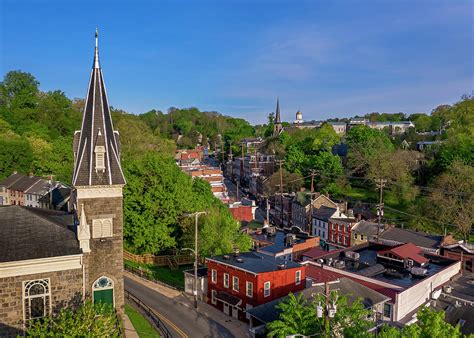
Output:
x=180 y=316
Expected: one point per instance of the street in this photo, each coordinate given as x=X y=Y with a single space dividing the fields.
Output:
x=183 y=318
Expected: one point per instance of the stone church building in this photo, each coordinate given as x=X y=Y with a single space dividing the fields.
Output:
x=50 y=259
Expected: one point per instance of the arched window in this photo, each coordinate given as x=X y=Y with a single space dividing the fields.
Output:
x=103 y=291
x=37 y=298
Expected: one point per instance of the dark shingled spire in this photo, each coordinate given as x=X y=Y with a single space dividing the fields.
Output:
x=277 y=127
x=96 y=145
x=277 y=112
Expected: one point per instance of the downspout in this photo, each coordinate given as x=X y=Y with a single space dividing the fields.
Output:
x=83 y=279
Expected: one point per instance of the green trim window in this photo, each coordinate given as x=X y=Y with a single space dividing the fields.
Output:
x=103 y=291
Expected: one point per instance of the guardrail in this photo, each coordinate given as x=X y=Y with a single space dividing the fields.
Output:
x=150 y=313
x=159 y=260
x=148 y=275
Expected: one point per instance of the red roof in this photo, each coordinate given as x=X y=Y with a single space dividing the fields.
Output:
x=315 y=253
x=408 y=250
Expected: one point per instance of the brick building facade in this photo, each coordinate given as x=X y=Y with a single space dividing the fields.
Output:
x=238 y=283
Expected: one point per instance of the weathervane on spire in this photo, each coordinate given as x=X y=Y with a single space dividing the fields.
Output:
x=96 y=56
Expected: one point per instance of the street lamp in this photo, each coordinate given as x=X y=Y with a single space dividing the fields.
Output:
x=196 y=215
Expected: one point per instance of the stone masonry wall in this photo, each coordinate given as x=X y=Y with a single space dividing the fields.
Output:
x=66 y=289
x=106 y=256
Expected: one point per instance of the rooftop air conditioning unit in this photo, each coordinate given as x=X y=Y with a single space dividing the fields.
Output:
x=227 y=257
x=240 y=260
x=447 y=288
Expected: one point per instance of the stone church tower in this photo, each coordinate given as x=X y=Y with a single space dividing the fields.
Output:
x=98 y=181
x=277 y=126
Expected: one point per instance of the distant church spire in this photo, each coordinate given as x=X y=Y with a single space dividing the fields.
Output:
x=277 y=126
x=96 y=145
x=277 y=112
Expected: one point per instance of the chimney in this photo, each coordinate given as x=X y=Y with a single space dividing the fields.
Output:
x=30 y=174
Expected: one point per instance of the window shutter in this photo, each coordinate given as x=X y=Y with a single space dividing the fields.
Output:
x=107 y=230
x=96 y=228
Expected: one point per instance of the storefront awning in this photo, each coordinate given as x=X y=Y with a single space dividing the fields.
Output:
x=228 y=298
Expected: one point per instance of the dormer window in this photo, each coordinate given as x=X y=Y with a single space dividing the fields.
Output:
x=99 y=158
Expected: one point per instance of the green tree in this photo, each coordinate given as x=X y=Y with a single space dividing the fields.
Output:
x=452 y=199
x=89 y=320
x=364 y=145
x=15 y=155
x=430 y=324
x=297 y=316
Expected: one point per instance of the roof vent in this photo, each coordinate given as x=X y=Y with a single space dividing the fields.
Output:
x=240 y=260
x=226 y=257
x=281 y=266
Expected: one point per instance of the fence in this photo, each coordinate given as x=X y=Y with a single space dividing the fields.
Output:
x=148 y=275
x=172 y=261
x=150 y=313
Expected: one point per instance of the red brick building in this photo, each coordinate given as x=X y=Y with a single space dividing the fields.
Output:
x=240 y=282
x=340 y=231
x=242 y=212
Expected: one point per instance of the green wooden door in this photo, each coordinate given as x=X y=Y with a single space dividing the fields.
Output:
x=104 y=296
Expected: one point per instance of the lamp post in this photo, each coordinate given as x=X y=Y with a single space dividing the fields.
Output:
x=196 y=215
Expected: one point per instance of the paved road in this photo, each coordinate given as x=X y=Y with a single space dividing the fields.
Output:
x=185 y=318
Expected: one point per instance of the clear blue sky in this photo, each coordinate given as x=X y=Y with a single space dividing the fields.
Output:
x=327 y=58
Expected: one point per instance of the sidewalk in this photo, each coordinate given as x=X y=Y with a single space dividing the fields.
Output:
x=128 y=329
x=236 y=327
x=168 y=292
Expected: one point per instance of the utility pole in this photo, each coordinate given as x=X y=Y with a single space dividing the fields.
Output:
x=313 y=173
x=380 y=182
x=326 y=319
x=196 y=215
x=280 y=163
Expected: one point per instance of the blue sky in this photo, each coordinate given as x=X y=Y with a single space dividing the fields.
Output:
x=327 y=58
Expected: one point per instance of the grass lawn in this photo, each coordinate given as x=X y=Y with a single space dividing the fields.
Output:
x=140 y=323
x=163 y=273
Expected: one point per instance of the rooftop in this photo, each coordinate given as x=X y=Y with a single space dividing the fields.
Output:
x=324 y=213
x=32 y=233
x=275 y=243
x=368 y=266
x=418 y=238
x=254 y=262
x=408 y=250
x=456 y=311
x=268 y=312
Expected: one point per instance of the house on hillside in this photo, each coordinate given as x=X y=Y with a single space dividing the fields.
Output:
x=321 y=216
x=340 y=231
x=364 y=231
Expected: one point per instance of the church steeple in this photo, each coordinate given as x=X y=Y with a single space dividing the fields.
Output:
x=277 y=112
x=96 y=145
x=277 y=126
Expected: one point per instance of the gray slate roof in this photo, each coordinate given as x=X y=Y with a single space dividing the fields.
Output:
x=324 y=213
x=7 y=182
x=418 y=238
x=97 y=130
x=24 y=183
x=255 y=262
x=366 y=228
x=353 y=290
x=32 y=233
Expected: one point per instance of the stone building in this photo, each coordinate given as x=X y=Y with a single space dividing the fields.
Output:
x=51 y=259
